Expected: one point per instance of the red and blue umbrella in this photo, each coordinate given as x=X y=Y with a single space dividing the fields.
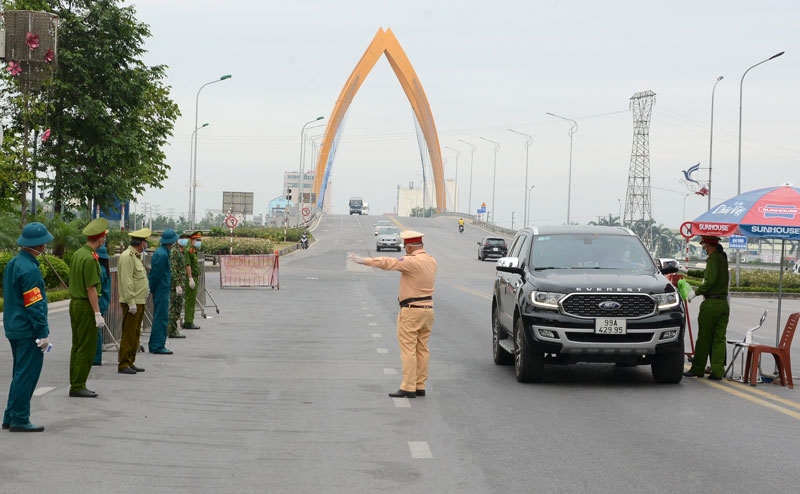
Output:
x=772 y=212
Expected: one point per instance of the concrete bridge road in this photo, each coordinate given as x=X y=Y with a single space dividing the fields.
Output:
x=285 y=391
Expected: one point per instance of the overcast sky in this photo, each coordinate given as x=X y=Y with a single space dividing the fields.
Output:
x=485 y=67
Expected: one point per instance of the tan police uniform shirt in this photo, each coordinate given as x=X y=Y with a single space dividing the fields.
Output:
x=417 y=274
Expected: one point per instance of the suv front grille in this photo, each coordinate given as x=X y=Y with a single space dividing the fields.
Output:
x=587 y=305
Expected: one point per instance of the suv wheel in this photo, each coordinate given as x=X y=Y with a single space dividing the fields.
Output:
x=499 y=355
x=667 y=368
x=528 y=362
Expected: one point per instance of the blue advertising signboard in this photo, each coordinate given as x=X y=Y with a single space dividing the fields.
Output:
x=737 y=242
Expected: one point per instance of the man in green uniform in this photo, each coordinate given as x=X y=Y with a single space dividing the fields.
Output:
x=85 y=285
x=193 y=274
x=177 y=262
x=415 y=319
x=133 y=290
x=25 y=323
x=714 y=313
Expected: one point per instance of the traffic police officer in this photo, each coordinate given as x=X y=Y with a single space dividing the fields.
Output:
x=177 y=264
x=25 y=323
x=85 y=285
x=133 y=290
x=192 y=273
x=715 y=310
x=415 y=319
x=160 y=279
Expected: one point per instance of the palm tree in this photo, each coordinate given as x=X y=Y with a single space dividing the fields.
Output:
x=610 y=221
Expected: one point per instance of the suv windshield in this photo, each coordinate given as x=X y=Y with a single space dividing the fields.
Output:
x=574 y=251
x=494 y=241
x=389 y=230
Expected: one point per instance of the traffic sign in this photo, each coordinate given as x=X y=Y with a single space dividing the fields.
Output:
x=231 y=222
x=737 y=242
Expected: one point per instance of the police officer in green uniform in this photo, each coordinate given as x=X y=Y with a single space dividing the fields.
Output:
x=177 y=263
x=714 y=313
x=133 y=290
x=85 y=286
x=192 y=273
x=25 y=323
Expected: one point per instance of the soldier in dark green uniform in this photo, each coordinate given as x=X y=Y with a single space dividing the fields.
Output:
x=177 y=262
x=192 y=273
x=85 y=286
x=25 y=323
x=714 y=313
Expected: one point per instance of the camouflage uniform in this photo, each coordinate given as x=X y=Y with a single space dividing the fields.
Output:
x=177 y=262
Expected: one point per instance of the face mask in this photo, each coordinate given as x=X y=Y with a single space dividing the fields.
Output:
x=183 y=241
x=196 y=244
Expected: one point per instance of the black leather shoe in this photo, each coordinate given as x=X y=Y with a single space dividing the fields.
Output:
x=83 y=393
x=420 y=392
x=6 y=426
x=689 y=373
x=26 y=428
x=126 y=370
x=190 y=326
x=137 y=369
x=714 y=378
x=403 y=394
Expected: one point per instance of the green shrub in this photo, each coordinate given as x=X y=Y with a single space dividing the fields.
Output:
x=51 y=277
x=219 y=246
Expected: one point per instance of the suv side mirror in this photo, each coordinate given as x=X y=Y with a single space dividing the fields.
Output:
x=479 y=243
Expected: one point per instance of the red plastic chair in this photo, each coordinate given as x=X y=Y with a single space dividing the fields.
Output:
x=781 y=353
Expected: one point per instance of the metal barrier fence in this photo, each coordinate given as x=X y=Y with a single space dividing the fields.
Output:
x=114 y=315
x=241 y=271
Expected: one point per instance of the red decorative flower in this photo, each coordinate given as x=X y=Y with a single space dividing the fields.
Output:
x=32 y=39
x=46 y=135
x=49 y=56
x=14 y=68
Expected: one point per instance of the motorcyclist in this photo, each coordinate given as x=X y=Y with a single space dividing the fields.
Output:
x=461 y=225
x=304 y=240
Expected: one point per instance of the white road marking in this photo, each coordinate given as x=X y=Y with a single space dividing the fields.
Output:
x=419 y=450
x=43 y=390
x=367 y=315
x=401 y=403
x=373 y=324
x=376 y=335
x=382 y=350
x=389 y=371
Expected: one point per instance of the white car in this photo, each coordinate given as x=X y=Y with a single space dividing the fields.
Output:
x=381 y=224
x=389 y=238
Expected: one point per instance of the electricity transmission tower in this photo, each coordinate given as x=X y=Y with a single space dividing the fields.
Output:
x=637 y=197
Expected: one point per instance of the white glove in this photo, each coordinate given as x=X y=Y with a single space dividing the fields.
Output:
x=132 y=309
x=179 y=290
x=44 y=343
x=98 y=320
x=191 y=283
x=356 y=259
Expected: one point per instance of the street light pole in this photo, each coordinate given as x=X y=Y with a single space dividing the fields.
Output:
x=472 y=148
x=458 y=155
x=530 y=200
x=739 y=176
x=710 y=142
x=573 y=128
x=494 y=176
x=194 y=165
x=191 y=167
x=302 y=160
x=528 y=142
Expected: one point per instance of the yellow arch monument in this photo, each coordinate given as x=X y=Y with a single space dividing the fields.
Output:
x=384 y=42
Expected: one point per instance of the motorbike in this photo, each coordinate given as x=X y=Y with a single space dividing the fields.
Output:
x=460 y=228
x=304 y=242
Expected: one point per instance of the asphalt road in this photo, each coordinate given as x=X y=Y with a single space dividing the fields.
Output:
x=285 y=390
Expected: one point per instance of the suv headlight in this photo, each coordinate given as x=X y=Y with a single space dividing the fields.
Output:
x=548 y=300
x=666 y=300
